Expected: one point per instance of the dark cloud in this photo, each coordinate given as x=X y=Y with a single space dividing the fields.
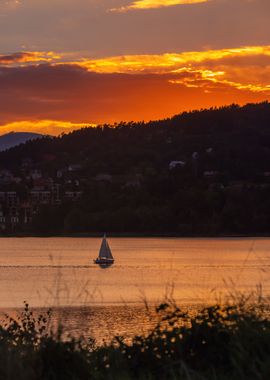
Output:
x=27 y=57
x=18 y=57
x=71 y=93
x=15 y=57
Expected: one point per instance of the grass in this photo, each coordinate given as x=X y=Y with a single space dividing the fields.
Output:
x=230 y=342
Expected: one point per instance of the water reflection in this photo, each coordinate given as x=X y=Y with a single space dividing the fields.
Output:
x=97 y=322
x=43 y=271
x=105 y=266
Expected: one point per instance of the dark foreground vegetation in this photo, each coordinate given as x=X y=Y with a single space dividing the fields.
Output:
x=199 y=173
x=219 y=343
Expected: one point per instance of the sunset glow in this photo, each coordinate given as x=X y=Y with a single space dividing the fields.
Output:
x=113 y=70
x=149 y=4
x=46 y=127
x=169 y=61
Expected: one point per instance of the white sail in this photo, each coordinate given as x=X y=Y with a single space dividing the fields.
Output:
x=105 y=251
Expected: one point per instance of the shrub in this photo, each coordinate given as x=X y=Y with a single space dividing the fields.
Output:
x=219 y=342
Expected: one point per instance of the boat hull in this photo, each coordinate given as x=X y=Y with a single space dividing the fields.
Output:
x=103 y=261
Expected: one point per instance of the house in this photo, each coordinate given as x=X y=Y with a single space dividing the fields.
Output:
x=17 y=180
x=26 y=163
x=210 y=173
x=60 y=173
x=73 y=195
x=35 y=174
x=133 y=183
x=26 y=213
x=6 y=177
x=2 y=220
x=40 y=197
x=175 y=164
x=195 y=155
x=13 y=216
x=56 y=196
x=11 y=199
x=74 y=167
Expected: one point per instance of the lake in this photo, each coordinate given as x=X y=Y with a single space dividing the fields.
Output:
x=59 y=273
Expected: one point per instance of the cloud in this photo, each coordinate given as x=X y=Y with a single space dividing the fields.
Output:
x=28 y=57
x=71 y=96
x=66 y=95
x=164 y=63
x=210 y=80
x=244 y=68
x=147 y=63
x=86 y=25
x=150 y=4
x=72 y=93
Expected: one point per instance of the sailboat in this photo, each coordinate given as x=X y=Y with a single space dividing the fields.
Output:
x=105 y=256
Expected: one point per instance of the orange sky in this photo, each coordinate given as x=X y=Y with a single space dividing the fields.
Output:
x=53 y=84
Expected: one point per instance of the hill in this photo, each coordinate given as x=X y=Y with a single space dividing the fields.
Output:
x=203 y=172
x=12 y=139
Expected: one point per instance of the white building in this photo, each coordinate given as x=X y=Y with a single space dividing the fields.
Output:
x=175 y=164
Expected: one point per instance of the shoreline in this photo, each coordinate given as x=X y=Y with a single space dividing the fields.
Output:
x=136 y=235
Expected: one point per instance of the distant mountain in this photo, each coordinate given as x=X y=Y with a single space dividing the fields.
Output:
x=12 y=139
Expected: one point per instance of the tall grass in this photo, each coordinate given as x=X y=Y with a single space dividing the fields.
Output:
x=219 y=342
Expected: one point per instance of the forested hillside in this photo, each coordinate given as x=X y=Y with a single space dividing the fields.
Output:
x=205 y=172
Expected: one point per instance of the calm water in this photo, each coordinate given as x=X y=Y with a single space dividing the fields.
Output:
x=59 y=272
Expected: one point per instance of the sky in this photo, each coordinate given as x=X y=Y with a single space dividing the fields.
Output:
x=65 y=64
